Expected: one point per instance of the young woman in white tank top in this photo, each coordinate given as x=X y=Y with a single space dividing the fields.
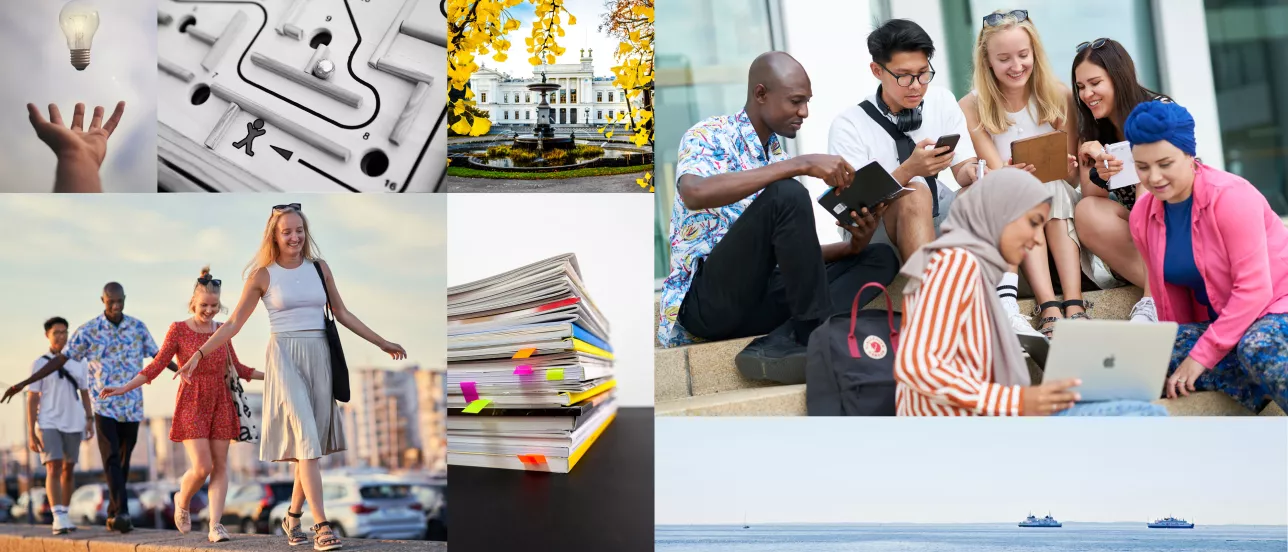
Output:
x=1017 y=96
x=301 y=420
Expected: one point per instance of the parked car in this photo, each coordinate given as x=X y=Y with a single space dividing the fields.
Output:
x=376 y=506
x=431 y=499
x=89 y=505
x=248 y=506
x=43 y=513
x=158 y=499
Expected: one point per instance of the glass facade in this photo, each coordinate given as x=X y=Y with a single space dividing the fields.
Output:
x=1249 y=48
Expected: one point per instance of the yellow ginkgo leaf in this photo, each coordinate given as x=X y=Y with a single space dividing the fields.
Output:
x=550 y=59
x=461 y=127
x=572 y=19
x=608 y=134
x=481 y=126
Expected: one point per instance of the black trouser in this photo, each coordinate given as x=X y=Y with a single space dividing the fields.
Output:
x=115 y=444
x=769 y=269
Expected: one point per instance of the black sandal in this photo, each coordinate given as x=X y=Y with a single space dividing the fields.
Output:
x=294 y=535
x=1086 y=306
x=1047 y=325
x=325 y=541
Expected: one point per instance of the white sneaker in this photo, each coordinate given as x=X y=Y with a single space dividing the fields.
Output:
x=182 y=520
x=217 y=533
x=1023 y=325
x=1144 y=311
x=68 y=524
x=58 y=527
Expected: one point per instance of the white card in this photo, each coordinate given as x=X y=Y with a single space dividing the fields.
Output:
x=1127 y=176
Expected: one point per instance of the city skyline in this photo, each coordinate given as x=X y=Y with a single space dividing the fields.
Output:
x=846 y=470
x=385 y=252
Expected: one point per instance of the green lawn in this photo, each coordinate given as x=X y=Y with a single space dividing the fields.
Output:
x=577 y=173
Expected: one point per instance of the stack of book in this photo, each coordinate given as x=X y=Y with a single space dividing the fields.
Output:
x=529 y=369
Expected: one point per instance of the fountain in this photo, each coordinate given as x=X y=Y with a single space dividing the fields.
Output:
x=543 y=134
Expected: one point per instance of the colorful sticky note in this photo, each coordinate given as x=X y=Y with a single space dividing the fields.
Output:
x=523 y=370
x=532 y=458
x=554 y=374
x=470 y=391
x=525 y=353
x=475 y=406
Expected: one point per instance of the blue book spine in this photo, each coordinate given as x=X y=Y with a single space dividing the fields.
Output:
x=581 y=333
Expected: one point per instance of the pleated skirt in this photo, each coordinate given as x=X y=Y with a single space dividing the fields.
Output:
x=301 y=418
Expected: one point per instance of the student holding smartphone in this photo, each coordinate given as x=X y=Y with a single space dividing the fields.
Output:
x=1104 y=77
x=1017 y=96
x=896 y=127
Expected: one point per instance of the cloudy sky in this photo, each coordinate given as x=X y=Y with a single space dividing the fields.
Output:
x=36 y=68
x=846 y=470
x=385 y=251
x=589 y=14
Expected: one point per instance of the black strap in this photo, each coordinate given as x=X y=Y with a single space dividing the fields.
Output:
x=62 y=372
x=904 y=146
x=326 y=313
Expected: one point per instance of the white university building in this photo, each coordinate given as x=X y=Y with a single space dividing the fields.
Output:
x=582 y=99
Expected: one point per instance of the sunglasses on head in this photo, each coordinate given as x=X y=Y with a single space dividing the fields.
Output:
x=1094 y=45
x=995 y=19
x=205 y=280
x=293 y=206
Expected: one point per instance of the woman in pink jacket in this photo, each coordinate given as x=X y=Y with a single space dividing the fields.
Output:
x=1217 y=257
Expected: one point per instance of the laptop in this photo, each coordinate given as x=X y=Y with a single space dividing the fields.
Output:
x=1115 y=359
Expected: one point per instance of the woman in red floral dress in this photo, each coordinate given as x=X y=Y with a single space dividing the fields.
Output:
x=205 y=416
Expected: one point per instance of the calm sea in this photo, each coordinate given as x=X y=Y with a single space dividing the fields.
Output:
x=1134 y=537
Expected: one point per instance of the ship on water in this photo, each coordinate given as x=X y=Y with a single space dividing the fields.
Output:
x=1170 y=522
x=1047 y=521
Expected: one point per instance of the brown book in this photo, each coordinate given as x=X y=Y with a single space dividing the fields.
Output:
x=1048 y=152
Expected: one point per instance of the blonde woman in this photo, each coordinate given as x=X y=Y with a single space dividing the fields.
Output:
x=1017 y=96
x=301 y=420
x=205 y=417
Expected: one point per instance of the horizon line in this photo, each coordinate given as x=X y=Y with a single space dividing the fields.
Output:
x=940 y=523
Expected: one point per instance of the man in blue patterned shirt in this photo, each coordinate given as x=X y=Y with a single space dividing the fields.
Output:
x=745 y=257
x=115 y=346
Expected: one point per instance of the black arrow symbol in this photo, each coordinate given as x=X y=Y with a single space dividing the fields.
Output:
x=285 y=153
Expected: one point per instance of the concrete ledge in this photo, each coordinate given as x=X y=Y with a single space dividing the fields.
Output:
x=1111 y=304
x=778 y=400
x=36 y=538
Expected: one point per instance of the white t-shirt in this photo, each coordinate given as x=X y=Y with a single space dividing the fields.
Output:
x=860 y=140
x=60 y=402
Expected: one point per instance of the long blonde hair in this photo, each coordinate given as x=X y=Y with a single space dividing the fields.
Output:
x=1043 y=87
x=268 y=251
x=209 y=286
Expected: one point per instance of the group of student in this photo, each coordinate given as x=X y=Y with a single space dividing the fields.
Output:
x=301 y=421
x=745 y=259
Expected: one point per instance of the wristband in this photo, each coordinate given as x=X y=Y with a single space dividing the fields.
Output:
x=203 y=355
x=1094 y=176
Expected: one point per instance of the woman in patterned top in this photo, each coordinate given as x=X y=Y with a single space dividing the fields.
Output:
x=959 y=355
x=1106 y=91
x=205 y=416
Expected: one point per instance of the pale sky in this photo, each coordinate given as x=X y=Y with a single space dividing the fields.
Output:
x=589 y=14
x=36 y=68
x=488 y=234
x=851 y=470
x=385 y=251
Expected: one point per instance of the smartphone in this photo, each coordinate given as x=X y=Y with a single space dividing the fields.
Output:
x=949 y=140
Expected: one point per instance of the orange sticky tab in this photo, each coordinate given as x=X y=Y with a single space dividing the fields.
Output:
x=525 y=353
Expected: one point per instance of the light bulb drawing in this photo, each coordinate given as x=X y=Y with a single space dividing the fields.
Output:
x=79 y=21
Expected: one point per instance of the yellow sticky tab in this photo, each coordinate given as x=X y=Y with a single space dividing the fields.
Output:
x=525 y=353
x=554 y=374
x=475 y=406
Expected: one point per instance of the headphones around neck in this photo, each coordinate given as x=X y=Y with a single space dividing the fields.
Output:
x=906 y=120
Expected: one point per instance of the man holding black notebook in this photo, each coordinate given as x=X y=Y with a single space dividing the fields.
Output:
x=745 y=257
x=897 y=126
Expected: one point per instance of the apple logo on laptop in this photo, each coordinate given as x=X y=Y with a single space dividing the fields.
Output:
x=1109 y=361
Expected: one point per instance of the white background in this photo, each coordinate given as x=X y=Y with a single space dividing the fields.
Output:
x=491 y=233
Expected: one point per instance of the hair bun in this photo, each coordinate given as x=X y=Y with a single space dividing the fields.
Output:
x=205 y=270
x=1156 y=121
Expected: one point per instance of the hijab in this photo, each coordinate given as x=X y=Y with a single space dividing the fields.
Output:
x=975 y=223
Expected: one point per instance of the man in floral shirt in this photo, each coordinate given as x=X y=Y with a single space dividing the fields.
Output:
x=745 y=257
x=115 y=346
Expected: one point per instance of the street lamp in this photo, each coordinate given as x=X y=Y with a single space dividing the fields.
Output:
x=587 y=119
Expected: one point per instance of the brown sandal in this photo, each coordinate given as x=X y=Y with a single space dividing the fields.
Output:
x=1086 y=306
x=325 y=541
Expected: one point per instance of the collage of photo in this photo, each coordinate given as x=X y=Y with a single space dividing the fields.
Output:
x=436 y=222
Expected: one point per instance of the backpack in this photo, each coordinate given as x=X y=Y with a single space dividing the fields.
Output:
x=849 y=367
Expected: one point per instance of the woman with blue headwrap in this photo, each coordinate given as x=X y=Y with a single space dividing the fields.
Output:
x=1217 y=261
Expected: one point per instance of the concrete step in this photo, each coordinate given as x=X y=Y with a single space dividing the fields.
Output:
x=702 y=369
x=1110 y=304
x=778 y=400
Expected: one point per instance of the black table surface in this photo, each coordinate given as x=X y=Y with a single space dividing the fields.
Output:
x=605 y=503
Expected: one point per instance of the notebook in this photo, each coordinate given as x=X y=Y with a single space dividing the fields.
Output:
x=1049 y=153
x=871 y=186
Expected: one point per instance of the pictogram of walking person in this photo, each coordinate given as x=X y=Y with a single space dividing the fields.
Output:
x=252 y=130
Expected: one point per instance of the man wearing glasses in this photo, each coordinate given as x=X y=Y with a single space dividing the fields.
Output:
x=896 y=127
x=115 y=345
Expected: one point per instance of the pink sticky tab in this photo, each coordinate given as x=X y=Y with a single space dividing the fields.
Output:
x=523 y=370
x=471 y=393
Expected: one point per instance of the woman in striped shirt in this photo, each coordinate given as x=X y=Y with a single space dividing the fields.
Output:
x=959 y=355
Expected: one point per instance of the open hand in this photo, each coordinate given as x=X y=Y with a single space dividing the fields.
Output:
x=1181 y=382
x=10 y=392
x=1050 y=397
x=186 y=370
x=109 y=392
x=83 y=148
x=395 y=350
